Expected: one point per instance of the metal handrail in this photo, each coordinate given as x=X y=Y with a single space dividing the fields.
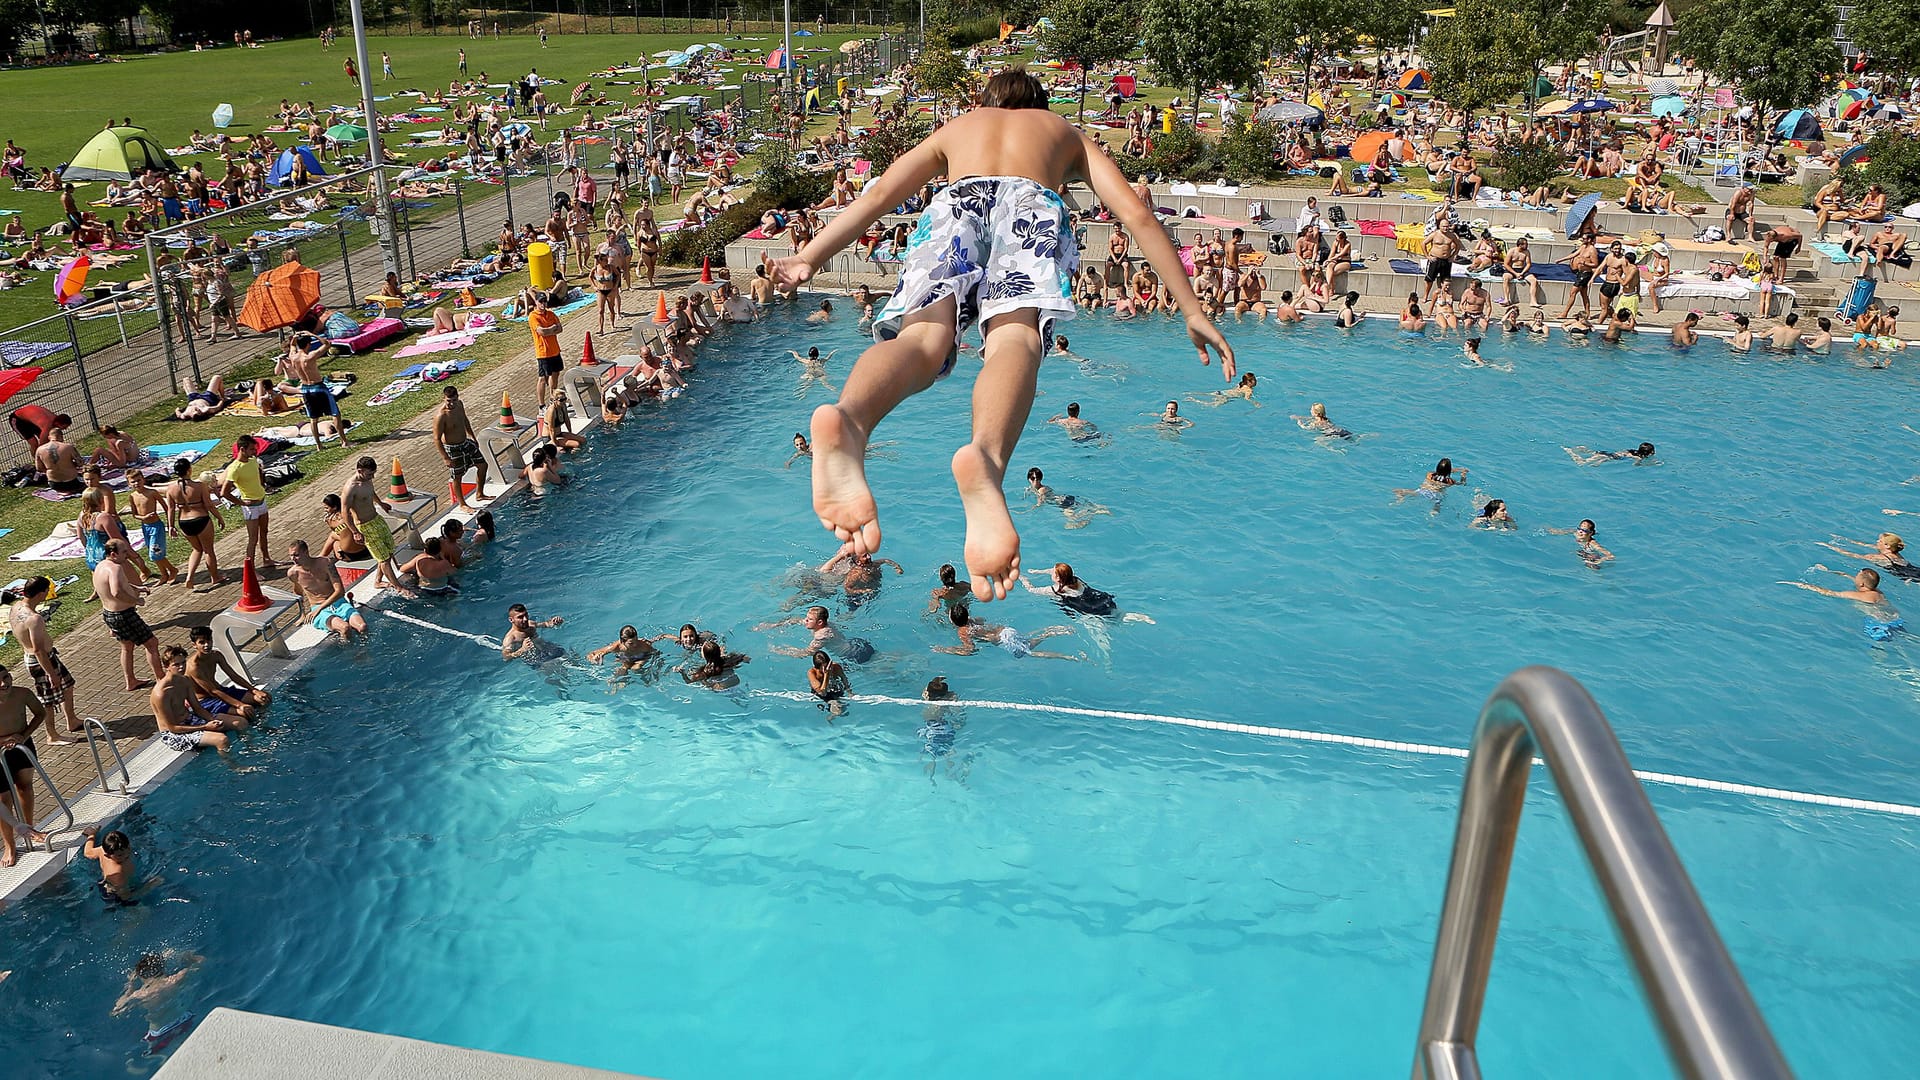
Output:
x=46 y=781
x=1706 y=1015
x=93 y=747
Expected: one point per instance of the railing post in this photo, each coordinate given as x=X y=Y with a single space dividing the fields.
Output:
x=460 y=212
x=1706 y=1016
x=406 y=230
x=86 y=392
x=160 y=306
x=346 y=263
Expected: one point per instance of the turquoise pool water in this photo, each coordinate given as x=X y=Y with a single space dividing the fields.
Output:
x=665 y=880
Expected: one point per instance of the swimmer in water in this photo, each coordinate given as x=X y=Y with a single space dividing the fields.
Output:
x=1580 y=325
x=859 y=574
x=801 y=449
x=1885 y=553
x=1078 y=597
x=1078 y=511
x=1685 y=332
x=715 y=669
x=1639 y=455
x=1410 y=318
x=822 y=316
x=1170 y=420
x=1585 y=545
x=1493 y=515
x=1510 y=319
x=1742 y=339
x=974 y=632
x=813 y=369
x=523 y=637
x=1435 y=485
x=951 y=590
x=1220 y=397
x=1316 y=421
x=828 y=681
x=1077 y=429
x=688 y=637
x=1471 y=350
x=155 y=978
x=1538 y=326
x=628 y=652
x=1883 y=619
x=1348 y=316
x=824 y=636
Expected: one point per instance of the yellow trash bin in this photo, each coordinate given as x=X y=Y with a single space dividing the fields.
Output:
x=840 y=86
x=1166 y=121
x=540 y=265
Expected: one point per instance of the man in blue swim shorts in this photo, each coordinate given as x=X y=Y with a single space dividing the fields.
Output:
x=994 y=247
x=826 y=638
x=324 y=593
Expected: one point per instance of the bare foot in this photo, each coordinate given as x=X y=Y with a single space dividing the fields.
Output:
x=143 y=684
x=993 y=547
x=8 y=856
x=840 y=493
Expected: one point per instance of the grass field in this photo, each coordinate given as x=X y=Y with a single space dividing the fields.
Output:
x=52 y=112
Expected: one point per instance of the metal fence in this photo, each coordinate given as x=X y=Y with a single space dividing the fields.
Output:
x=125 y=349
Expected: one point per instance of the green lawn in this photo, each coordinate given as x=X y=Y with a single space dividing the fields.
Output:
x=52 y=112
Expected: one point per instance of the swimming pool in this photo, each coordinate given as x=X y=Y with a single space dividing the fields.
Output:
x=432 y=843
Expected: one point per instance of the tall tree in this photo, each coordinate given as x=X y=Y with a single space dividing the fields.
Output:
x=1389 y=23
x=1313 y=29
x=1885 y=31
x=1088 y=32
x=1483 y=55
x=1197 y=43
x=1780 y=53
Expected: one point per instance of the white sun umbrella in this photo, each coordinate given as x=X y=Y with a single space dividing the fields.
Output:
x=1663 y=88
x=222 y=115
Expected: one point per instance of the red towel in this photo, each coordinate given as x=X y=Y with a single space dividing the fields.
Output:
x=1369 y=227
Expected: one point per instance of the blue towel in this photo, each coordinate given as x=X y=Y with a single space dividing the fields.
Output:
x=1404 y=266
x=458 y=365
x=1833 y=251
x=1553 y=272
x=197 y=449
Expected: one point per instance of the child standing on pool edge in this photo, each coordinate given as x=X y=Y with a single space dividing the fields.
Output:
x=995 y=247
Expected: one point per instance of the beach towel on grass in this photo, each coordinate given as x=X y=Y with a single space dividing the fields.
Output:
x=15 y=353
x=57 y=547
x=585 y=301
x=192 y=451
x=437 y=343
x=417 y=369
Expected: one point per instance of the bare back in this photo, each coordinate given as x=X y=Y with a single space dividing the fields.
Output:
x=1033 y=143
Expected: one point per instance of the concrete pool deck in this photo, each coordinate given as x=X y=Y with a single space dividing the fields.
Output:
x=233 y=1045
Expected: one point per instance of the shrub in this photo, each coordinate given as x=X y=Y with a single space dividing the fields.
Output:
x=884 y=145
x=1247 y=150
x=1182 y=153
x=1518 y=166
x=1893 y=162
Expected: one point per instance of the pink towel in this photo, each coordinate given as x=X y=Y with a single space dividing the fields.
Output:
x=420 y=348
x=1369 y=227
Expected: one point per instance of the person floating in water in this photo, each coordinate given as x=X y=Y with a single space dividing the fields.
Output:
x=1884 y=553
x=1316 y=421
x=1244 y=390
x=1169 y=420
x=813 y=369
x=828 y=681
x=1077 y=429
x=1435 y=485
x=1639 y=455
x=1584 y=543
x=715 y=669
x=1078 y=597
x=629 y=652
x=114 y=853
x=151 y=986
x=801 y=449
x=825 y=636
x=975 y=632
x=950 y=590
x=1078 y=511
x=860 y=573
x=994 y=247
x=1493 y=515
x=1883 y=619
x=523 y=637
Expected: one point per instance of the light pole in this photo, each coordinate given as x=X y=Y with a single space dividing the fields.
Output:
x=381 y=221
x=786 y=52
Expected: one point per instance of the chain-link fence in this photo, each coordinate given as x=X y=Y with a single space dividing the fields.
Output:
x=127 y=347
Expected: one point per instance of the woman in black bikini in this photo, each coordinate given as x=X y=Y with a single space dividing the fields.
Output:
x=189 y=509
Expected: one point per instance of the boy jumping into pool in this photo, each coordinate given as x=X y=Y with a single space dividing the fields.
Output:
x=994 y=247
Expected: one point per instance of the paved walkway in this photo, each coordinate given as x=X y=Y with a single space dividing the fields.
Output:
x=94 y=657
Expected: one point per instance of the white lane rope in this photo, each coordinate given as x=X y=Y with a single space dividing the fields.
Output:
x=1391 y=745
x=479 y=639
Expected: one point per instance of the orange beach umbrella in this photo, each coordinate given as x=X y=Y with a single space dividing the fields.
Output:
x=280 y=297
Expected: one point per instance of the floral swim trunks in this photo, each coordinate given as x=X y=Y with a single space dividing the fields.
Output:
x=996 y=244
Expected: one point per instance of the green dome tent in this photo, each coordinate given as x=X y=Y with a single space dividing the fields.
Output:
x=119 y=153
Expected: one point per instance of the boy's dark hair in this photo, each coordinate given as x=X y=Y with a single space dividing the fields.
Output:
x=115 y=843
x=1014 y=89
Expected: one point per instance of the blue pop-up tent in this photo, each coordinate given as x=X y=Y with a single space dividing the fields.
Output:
x=283 y=167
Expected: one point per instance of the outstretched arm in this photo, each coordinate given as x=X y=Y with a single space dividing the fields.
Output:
x=907 y=175
x=1112 y=189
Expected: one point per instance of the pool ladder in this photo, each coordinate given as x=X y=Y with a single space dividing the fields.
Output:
x=1705 y=1014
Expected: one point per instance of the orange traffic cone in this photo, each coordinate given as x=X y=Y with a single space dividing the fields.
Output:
x=506 y=412
x=660 y=313
x=587 y=359
x=706 y=271
x=397 y=489
x=251 y=598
